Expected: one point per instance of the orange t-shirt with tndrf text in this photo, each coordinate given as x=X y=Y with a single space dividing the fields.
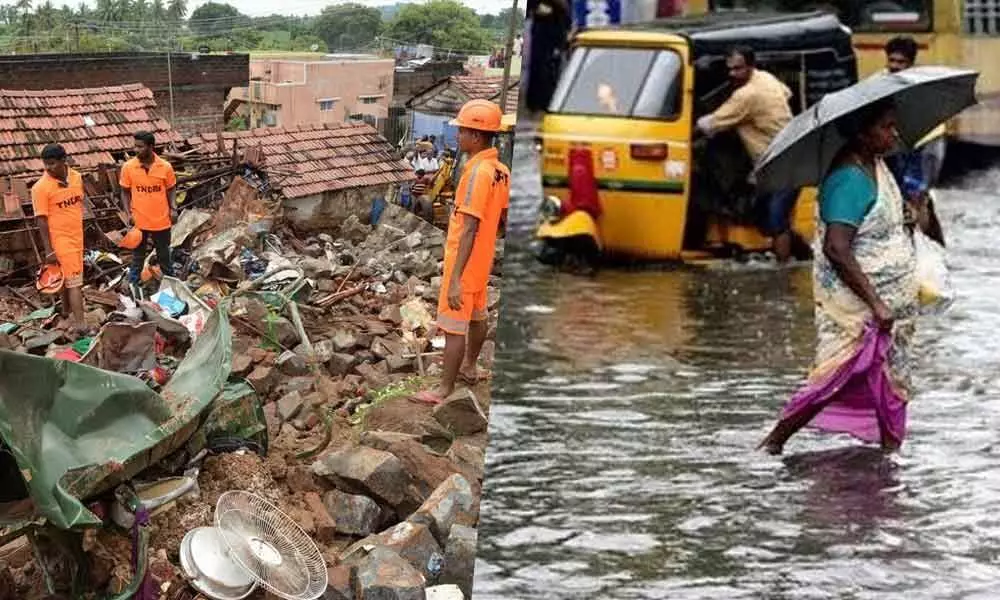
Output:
x=149 y=186
x=482 y=193
x=62 y=203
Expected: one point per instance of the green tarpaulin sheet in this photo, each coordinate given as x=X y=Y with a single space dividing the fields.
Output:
x=77 y=431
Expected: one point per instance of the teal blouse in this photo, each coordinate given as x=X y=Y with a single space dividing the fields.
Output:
x=846 y=196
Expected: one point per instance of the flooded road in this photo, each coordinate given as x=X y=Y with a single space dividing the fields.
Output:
x=627 y=408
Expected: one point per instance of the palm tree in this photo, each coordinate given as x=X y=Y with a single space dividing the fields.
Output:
x=177 y=10
x=158 y=11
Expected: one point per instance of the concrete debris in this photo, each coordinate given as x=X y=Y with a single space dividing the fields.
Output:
x=461 y=414
x=353 y=514
x=334 y=331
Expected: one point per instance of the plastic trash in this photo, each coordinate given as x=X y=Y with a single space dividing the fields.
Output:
x=935 y=293
x=169 y=302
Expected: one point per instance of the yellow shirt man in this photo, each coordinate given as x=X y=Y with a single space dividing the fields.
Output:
x=757 y=110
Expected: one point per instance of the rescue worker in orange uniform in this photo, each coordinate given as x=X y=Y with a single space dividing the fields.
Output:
x=58 y=200
x=481 y=200
x=148 y=191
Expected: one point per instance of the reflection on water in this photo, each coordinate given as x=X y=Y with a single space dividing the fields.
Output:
x=627 y=407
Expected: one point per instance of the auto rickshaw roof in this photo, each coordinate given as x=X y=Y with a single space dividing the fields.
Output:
x=715 y=33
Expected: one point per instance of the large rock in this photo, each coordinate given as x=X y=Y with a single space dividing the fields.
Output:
x=353 y=514
x=326 y=528
x=470 y=459
x=460 y=413
x=444 y=592
x=290 y=405
x=341 y=364
x=317 y=268
x=376 y=472
x=344 y=340
x=415 y=543
x=339 y=585
x=460 y=559
x=376 y=375
x=427 y=470
x=354 y=230
x=281 y=330
x=445 y=505
x=263 y=379
x=382 y=574
x=383 y=440
x=292 y=364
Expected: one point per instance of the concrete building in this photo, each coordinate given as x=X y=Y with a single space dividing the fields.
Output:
x=285 y=93
x=199 y=82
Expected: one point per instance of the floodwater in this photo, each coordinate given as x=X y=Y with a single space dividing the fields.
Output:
x=626 y=412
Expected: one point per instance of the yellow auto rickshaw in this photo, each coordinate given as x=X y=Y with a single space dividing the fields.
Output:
x=627 y=103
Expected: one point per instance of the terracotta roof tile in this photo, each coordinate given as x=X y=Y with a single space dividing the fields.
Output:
x=29 y=119
x=323 y=157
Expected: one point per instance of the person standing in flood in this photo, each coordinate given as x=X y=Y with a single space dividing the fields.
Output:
x=864 y=270
x=916 y=170
x=148 y=192
x=57 y=199
x=481 y=200
x=758 y=109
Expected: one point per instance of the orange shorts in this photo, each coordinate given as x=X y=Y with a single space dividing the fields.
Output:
x=456 y=322
x=70 y=257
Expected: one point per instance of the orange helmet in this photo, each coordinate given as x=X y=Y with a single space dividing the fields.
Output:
x=481 y=115
x=131 y=240
x=50 y=279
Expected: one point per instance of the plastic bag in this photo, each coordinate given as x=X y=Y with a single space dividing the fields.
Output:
x=935 y=293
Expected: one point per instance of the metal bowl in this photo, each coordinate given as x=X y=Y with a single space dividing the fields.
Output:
x=207 y=566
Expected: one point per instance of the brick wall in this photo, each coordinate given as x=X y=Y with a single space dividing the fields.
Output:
x=200 y=85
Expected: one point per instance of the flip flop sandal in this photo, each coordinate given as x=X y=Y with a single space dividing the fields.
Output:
x=471 y=381
x=427 y=397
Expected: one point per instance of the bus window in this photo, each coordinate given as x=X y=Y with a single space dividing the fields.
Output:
x=904 y=16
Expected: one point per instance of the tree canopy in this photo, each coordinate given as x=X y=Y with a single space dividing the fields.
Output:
x=348 y=26
x=442 y=23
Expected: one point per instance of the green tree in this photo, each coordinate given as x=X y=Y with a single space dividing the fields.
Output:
x=441 y=23
x=158 y=11
x=344 y=26
x=213 y=18
x=176 y=10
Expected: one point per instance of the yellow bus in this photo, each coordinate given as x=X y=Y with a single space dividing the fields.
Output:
x=962 y=33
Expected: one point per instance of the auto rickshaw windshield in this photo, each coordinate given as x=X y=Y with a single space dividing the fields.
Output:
x=620 y=82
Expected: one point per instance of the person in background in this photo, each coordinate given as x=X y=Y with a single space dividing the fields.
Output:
x=425 y=158
x=518 y=45
x=758 y=109
x=481 y=201
x=421 y=202
x=58 y=200
x=917 y=170
x=148 y=189
x=411 y=157
x=550 y=25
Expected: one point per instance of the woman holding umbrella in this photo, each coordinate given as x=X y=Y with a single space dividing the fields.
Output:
x=864 y=272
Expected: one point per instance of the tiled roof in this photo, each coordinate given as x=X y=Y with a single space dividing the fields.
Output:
x=322 y=157
x=90 y=123
x=512 y=94
x=448 y=96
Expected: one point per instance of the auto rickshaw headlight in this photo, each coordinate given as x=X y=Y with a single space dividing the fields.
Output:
x=551 y=208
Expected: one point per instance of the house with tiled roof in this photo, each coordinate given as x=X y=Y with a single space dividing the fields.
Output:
x=324 y=171
x=432 y=108
x=95 y=125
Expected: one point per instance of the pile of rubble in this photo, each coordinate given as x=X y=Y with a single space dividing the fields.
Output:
x=334 y=332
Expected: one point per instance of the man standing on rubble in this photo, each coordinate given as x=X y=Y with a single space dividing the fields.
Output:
x=148 y=191
x=480 y=204
x=57 y=199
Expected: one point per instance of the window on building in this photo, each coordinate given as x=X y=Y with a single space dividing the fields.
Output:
x=327 y=105
x=370 y=99
x=981 y=17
